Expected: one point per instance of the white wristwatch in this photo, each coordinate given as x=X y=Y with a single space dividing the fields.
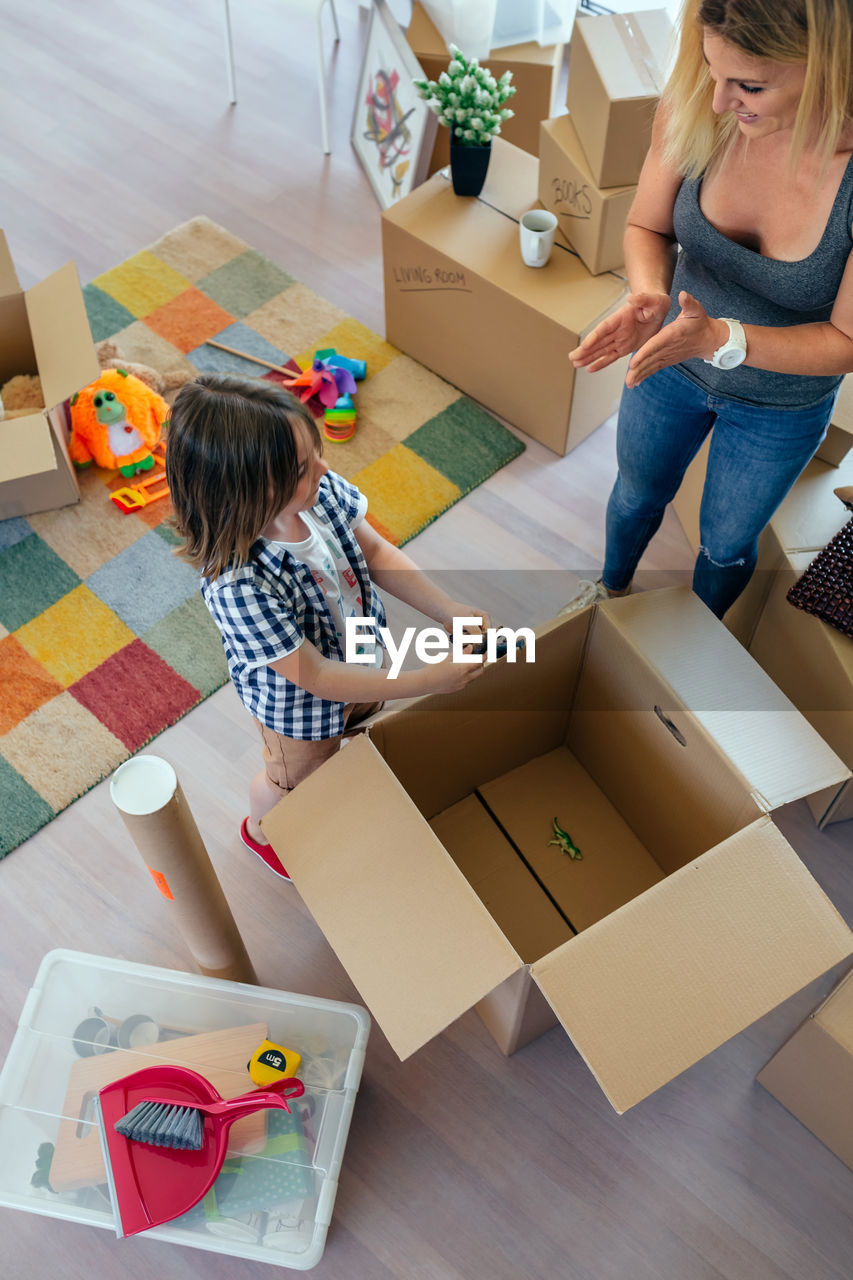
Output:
x=733 y=352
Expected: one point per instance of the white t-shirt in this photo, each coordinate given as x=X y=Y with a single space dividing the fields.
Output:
x=332 y=572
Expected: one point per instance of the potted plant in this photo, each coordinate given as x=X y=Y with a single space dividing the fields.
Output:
x=470 y=101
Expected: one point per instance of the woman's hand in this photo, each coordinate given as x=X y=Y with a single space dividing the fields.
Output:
x=693 y=333
x=638 y=319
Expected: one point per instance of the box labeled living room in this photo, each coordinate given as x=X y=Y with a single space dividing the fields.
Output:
x=459 y=299
x=586 y=838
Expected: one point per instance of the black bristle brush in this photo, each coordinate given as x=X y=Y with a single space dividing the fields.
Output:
x=179 y=1124
x=163 y=1124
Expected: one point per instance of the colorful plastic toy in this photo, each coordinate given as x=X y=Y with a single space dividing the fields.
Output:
x=358 y=368
x=142 y=493
x=326 y=381
x=339 y=420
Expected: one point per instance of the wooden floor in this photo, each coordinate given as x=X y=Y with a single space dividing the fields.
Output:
x=461 y=1164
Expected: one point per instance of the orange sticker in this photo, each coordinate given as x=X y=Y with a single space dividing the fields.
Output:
x=161 y=883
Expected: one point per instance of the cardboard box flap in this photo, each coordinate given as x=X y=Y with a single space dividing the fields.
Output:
x=444 y=746
x=26 y=447
x=811 y=514
x=410 y=931
x=8 y=275
x=61 y=335
x=669 y=977
x=779 y=754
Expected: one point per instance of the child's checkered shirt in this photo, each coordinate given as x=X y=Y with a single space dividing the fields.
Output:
x=266 y=608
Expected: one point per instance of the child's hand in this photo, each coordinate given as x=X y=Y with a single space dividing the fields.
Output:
x=448 y=676
x=476 y=632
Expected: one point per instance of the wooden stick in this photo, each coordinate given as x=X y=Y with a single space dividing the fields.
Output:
x=232 y=351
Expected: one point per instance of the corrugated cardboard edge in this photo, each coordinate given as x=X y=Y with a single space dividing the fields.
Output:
x=408 y=928
x=61 y=335
x=642 y=1011
x=758 y=728
x=8 y=275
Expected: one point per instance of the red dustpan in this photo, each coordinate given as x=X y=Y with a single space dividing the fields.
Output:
x=151 y=1185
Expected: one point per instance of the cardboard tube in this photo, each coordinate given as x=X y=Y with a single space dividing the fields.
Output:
x=148 y=795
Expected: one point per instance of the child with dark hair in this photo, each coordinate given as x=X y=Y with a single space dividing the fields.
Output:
x=286 y=556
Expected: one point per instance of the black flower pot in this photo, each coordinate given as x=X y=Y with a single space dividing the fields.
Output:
x=468 y=168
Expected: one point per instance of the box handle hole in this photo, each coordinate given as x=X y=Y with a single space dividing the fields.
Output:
x=673 y=728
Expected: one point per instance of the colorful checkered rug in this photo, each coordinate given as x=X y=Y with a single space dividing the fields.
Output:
x=104 y=640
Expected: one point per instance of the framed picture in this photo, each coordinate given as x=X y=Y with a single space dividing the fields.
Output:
x=393 y=130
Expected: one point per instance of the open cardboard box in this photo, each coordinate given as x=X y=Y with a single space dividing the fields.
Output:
x=44 y=331
x=812 y=1074
x=807 y=519
x=652 y=737
x=838 y=440
x=812 y=663
x=460 y=300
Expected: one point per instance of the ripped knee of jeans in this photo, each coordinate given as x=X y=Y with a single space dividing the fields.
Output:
x=722 y=564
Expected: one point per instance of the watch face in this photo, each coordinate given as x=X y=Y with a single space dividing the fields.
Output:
x=731 y=358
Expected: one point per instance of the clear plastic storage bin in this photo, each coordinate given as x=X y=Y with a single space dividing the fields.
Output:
x=478 y=26
x=88 y=1015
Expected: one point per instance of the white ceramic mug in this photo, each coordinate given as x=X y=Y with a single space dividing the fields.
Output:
x=536 y=232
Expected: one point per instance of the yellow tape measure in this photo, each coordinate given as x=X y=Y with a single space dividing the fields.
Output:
x=271 y=1062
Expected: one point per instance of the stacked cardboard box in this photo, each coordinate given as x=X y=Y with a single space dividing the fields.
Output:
x=838 y=440
x=591 y=219
x=833 y=451
x=810 y=661
x=43 y=331
x=459 y=299
x=590 y=160
x=535 y=72
x=688 y=915
x=812 y=1074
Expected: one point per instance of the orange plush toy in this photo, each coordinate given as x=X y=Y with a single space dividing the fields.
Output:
x=116 y=423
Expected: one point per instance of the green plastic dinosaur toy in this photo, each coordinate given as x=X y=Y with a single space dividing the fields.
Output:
x=565 y=842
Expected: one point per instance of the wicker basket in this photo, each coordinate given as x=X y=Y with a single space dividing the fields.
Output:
x=826 y=587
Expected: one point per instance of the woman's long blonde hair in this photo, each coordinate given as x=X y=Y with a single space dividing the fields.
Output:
x=816 y=32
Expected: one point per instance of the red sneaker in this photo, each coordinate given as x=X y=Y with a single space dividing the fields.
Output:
x=264 y=851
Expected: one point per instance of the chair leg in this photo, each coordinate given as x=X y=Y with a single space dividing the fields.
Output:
x=229 y=56
x=321 y=76
x=335 y=20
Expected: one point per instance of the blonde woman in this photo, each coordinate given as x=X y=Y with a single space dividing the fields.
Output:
x=749 y=328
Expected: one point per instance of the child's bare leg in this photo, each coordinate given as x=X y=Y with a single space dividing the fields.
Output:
x=262 y=797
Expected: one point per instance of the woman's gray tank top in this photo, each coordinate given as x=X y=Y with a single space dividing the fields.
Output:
x=732 y=280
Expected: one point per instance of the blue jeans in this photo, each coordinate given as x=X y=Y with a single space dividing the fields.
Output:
x=755 y=457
